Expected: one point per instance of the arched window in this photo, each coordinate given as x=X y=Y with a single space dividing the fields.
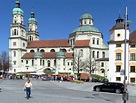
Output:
x=52 y=50
x=97 y=54
x=14 y=53
x=55 y=62
x=30 y=38
x=31 y=51
x=32 y=62
x=42 y=50
x=43 y=63
x=102 y=64
x=81 y=53
x=64 y=50
x=15 y=32
x=26 y=61
x=97 y=41
x=93 y=40
x=103 y=54
x=48 y=63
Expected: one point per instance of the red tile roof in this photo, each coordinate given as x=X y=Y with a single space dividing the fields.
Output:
x=45 y=55
x=48 y=43
x=132 y=37
x=82 y=43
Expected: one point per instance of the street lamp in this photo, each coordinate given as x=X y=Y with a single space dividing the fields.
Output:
x=125 y=93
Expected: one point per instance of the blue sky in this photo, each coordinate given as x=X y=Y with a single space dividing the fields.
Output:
x=58 y=18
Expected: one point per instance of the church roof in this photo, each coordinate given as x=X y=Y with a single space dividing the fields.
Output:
x=45 y=55
x=48 y=43
x=84 y=28
x=82 y=43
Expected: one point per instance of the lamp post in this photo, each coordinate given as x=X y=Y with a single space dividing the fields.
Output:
x=125 y=93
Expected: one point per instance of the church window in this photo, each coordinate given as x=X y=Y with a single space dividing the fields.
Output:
x=40 y=62
x=32 y=51
x=32 y=62
x=14 y=62
x=14 y=53
x=102 y=64
x=52 y=50
x=85 y=22
x=26 y=61
x=14 y=43
x=64 y=50
x=103 y=54
x=97 y=54
x=97 y=41
x=55 y=62
x=68 y=63
x=93 y=40
x=42 y=50
x=15 y=32
x=89 y=22
x=118 y=56
x=81 y=53
x=43 y=63
x=48 y=63
x=23 y=44
x=64 y=62
x=22 y=32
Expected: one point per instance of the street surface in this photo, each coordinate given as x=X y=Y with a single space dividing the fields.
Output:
x=55 y=92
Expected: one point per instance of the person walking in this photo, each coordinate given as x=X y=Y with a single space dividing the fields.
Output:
x=28 y=87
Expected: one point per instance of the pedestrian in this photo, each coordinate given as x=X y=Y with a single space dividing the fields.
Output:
x=28 y=87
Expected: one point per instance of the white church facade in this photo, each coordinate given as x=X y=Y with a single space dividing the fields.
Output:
x=83 y=51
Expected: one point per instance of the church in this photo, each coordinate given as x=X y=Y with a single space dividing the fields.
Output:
x=83 y=52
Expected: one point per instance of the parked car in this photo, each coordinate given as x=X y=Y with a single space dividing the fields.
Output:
x=110 y=87
x=46 y=78
x=69 y=79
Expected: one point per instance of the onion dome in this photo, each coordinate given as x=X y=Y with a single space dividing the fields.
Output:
x=32 y=19
x=38 y=54
x=60 y=54
x=86 y=16
x=86 y=24
x=17 y=9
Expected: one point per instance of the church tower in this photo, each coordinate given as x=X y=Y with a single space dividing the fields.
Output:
x=18 y=38
x=32 y=33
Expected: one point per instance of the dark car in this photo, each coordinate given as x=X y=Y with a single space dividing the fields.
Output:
x=46 y=78
x=110 y=87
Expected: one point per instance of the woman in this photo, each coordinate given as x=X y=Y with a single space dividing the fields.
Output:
x=28 y=87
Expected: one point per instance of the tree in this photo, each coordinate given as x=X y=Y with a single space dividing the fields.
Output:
x=4 y=61
x=78 y=63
